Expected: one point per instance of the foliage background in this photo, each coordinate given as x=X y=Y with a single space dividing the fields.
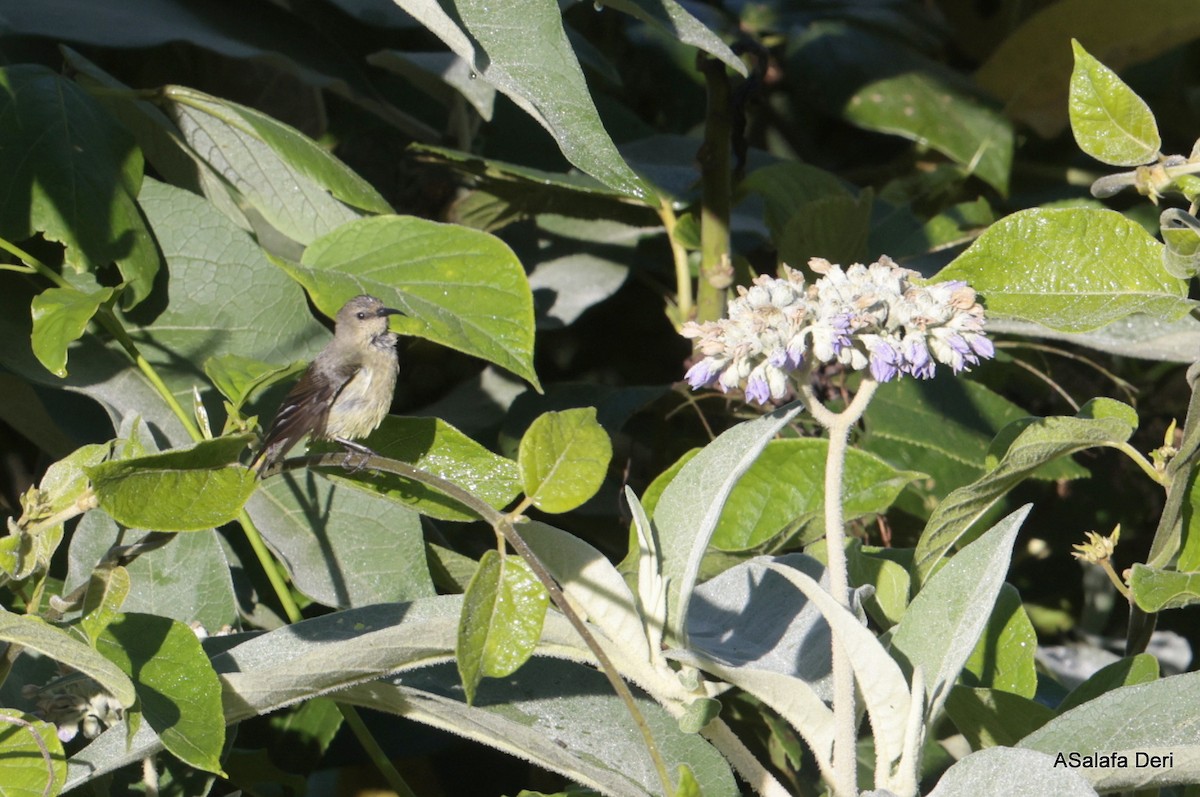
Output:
x=895 y=99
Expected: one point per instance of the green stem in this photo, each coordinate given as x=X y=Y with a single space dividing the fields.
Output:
x=845 y=716
x=1146 y=465
x=503 y=523
x=374 y=751
x=267 y=562
x=683 y=273
x=716 y=268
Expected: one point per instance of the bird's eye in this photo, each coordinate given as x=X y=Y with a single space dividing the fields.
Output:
x=361 y=316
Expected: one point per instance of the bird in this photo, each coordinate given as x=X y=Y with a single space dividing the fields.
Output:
x=347 y=389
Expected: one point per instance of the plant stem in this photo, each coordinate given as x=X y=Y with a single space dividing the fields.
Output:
x=374 y=751
x=503 y=524
x=716 y=268
x=845 y=751
x=683 y=273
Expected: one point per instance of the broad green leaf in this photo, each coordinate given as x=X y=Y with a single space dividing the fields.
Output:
x=342 y=546
x=945 y=426
x=502 y=616
x=443 y=76
x=1110 y=122
x=834 y=227
x=1008 y=772
x=879 y=678
x=673 y=19
x=436 y=447
x=237 y=377
x=223 y=296
x=788 y=186
x=783 y=492
x=1101 y=422
x=1155 y=589
x=182 y=490
x=1030 y=70
x=690 y=507
x=945 y=620
x=72 y=176
x=591 y=582
x=178 y=691
x=106 y=593
x=539 y=72
x=1181 y=243
x=879 y=84
x=994 y=717
x=562 y=716
x=1156 y=718
x=298 y=187
x=60 y=317
x=303 y=735
x=56 y=643
x=23 y=769
x=563 y=458
x=1139 y=669
x=187 y=579
x=880 y=568
x=1004 y=657
x=1142 y=336
x=1071 y=269
x=459 y=287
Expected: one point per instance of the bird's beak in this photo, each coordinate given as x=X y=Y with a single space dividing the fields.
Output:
x=386 y=311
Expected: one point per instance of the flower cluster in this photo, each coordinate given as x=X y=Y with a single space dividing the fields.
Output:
x=75 y=704
x=872 y=316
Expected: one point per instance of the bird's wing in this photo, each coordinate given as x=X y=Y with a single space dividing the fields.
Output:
x=304 y=411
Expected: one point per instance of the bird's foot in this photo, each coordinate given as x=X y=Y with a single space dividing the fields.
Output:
x=355 y=451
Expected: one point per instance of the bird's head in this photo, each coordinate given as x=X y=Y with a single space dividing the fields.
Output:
x=363 y=318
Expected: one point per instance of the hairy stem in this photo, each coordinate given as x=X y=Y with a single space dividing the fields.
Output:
x=716 y=268
x=845 y=750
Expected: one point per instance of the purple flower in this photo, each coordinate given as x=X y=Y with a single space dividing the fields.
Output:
x=757 y=389
x=700 y=374
x=885 y=361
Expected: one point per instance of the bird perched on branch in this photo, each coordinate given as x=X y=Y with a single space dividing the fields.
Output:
x=347 y=390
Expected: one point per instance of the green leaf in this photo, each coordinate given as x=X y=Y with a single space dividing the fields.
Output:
x=1181 y=239
x=459 y=287
x=106 y=592
x=1155 y=589
x=1030 y=70
x=994 y=717
x=1129 y=671
x=436 y=447
x=674 y=20
x=1110 y=122
x=23 y=769
x=298 y=187
x=539 y=72
x=945 y=620
x=834 y=227
x=563 y=458
x=883 y=686
x=223 y=296
x=237 y=377
x=886 y=571
x=1004 y=657
x=60 y=316
x=190 y=489
x=72 y=175
x=178 y=691
x=788 y=186
x=783 y=493
x=502 y=616
x=1157 y=718
x=1070 y=269
x=56 y=643
x=878 y=84
x=1005 y=771
x=342 y=546
x=1101 y=422
x=690 y=507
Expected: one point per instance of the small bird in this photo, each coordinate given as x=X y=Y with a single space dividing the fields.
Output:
x=347 y=390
